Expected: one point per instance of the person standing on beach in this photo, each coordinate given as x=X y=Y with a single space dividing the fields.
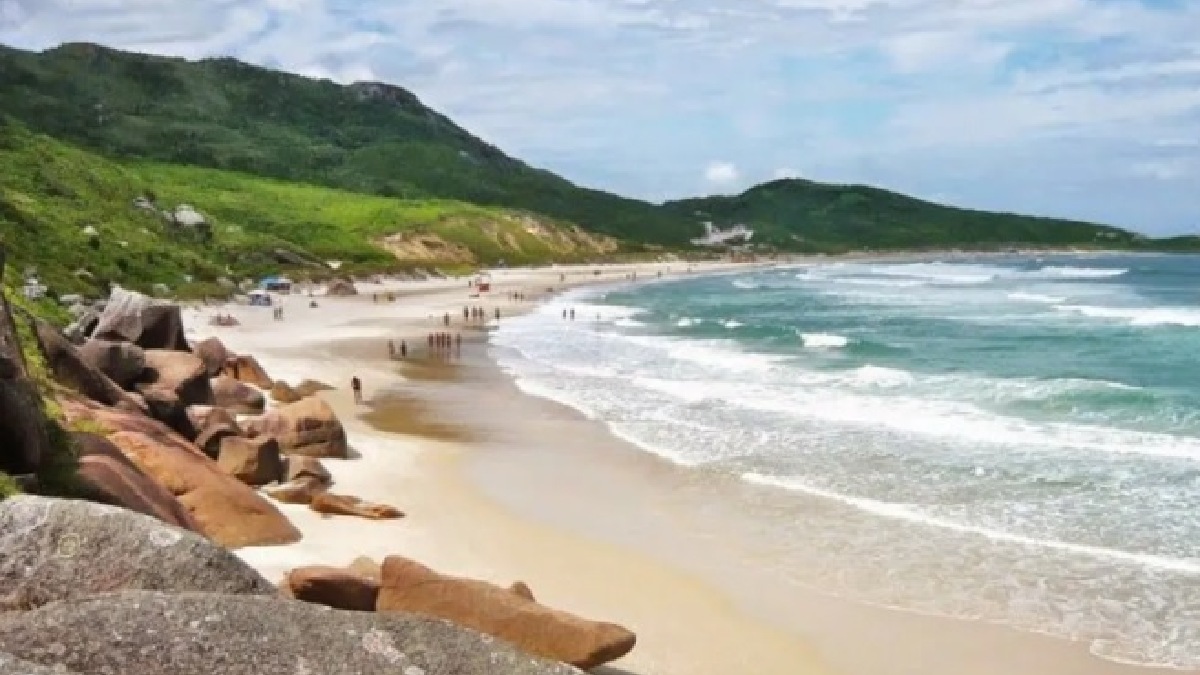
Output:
x=497 y=313
x=404 y=349
x=391 y=349
x=572 y=313
x=466 y=314
x=356 y=387
x=446 y=319
x=458 y=344
x=564 y=313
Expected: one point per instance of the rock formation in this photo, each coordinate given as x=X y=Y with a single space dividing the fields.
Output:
x=307 y=427
x=110 y=478
x=409 y=586
x=151 y=324
x=207 y=633
x=56 y=549
x=237 y=397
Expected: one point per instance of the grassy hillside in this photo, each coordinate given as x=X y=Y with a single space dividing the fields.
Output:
x=803 y=215
x=222 y=113
x=52 y=193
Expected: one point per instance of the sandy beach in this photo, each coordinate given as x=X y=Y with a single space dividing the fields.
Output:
x=501 y=486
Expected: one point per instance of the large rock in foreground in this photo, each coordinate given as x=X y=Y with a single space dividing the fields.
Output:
x=408 y=586
x=55 y=549
x=308 y=427
x=11 y=665
x=130 y=316
x=206 y=633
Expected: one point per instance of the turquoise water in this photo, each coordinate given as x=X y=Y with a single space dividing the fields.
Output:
x=1014 y=440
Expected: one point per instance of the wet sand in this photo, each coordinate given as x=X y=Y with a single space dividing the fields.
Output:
x=502 y=486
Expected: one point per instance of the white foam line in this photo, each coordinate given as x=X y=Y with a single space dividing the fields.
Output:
x=899 y=512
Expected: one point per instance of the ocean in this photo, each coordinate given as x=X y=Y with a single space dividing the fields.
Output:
x=1006 y=439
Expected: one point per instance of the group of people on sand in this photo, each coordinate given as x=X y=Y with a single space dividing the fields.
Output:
x=402 y=352
x=441 y=344
x=278 y=313
x=386 y=297
x=569 y=313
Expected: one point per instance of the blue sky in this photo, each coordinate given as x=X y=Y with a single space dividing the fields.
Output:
x=1077 y=108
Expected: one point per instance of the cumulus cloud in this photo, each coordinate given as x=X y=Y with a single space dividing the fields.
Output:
x=720 y=173
x=1065 y=107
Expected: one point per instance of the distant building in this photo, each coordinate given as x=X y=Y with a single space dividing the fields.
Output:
x=715 y=236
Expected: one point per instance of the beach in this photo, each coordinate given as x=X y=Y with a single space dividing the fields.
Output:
x=502 y=486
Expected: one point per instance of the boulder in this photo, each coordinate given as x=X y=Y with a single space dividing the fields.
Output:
x=282 y=392
x=130 y=316
x=300 y=491
x=71 y=370
x=181 y=373
x=254 y=462
x=247 y=369
x=136 y=632
x=215 y=425
x=122 y=362
x=309 y=387
x=79 y=329
x=226 y=510
x=408 y=586
x=56 y=549
x=332 y=587
x=341 y=287
x=307 y=427
x=297 y=466
x=342 y=505
x=365 y=567
x=521 y=589
x=24 y=439
x=11 y=665
x=110 y=478
x=237 y=397
x=214 y=355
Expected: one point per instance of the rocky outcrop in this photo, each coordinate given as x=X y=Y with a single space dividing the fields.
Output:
x=122 y=362
x=11 y=665
x=171 y=382
x=181 y=373
x=70 y=369
x=228 y=511
x=408 y=586
x=308 y=427
x=206 y=633
x=247 y=369
x=214 y=355
x=332 y=587
x=237 y=397
x=521 y=589
x=282 y=392
x=253 y=462
x=300 y=491
x=110 y=478
x=151 y=324
x=214 y=425
x=56 y=549
x=299 y=467
x=342 y=505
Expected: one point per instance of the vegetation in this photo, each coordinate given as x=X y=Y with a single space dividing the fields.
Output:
x=803 y=215
x=225 y=114
x=70 y=214
x=291 y=171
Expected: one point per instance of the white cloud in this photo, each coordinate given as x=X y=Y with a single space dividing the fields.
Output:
x=974 y=98
x=1163 y=169
x=721 y=173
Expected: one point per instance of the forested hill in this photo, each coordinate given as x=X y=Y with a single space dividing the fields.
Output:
x=366 y=137
x=380 y=139
x=804 y=215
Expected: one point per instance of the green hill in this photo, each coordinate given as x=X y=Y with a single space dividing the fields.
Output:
x=803 y=215
x=366 y=137
x=53 y=197
x=271 y=133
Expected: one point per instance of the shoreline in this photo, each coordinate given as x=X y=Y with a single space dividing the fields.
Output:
x=442 y=462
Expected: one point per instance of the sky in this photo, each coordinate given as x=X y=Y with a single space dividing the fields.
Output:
x=1087 y=109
